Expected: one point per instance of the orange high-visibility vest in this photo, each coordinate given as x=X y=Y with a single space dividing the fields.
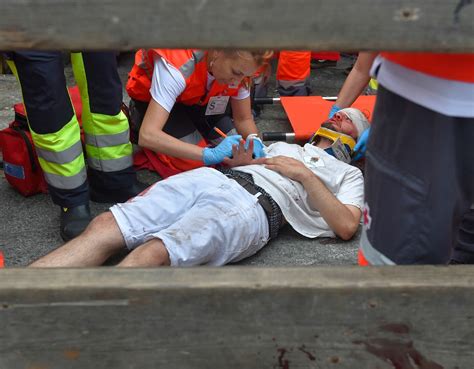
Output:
x=457 y=67
x=294 y=66
x=193 y=66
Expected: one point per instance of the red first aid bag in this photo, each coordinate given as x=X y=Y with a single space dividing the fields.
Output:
x=20 y=161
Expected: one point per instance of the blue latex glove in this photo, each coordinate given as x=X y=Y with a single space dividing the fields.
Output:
x=361 y=145
x=215 y=155
x=334 y=110
x=258 y=146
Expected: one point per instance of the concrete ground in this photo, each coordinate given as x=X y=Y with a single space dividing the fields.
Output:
x=29 y=227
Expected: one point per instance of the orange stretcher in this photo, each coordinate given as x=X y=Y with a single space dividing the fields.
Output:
x=307 y=113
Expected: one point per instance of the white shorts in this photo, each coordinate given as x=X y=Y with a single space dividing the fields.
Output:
x=201 y=216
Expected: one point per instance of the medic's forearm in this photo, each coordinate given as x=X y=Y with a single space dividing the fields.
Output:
x=242 y=115
x=245 y=127
x=161 y=142
x=356 y=81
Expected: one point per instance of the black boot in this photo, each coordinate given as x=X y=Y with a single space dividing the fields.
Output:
x=116 y=195
x=74 y=220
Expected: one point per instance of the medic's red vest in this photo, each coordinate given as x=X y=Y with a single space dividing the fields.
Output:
x=193 y=66
x=457 y=67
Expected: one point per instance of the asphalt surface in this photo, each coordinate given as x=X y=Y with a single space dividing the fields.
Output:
x=29 y=227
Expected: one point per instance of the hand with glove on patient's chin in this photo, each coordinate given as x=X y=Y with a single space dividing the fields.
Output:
x=361 y=145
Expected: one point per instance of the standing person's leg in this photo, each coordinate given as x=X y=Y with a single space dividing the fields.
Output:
x=136 y=111
x=464 y=248
x=101 y=239
x=414 y=190
x=109 y=150
x=56 y=135
x=463 y=252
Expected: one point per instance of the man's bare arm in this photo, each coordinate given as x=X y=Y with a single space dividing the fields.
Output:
x=243 y=118
x=343 y=219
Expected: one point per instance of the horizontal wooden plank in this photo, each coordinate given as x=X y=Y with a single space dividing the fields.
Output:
x=341 y=317
x=438 y=25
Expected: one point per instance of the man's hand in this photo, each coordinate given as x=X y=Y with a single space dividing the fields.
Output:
x=241 y=155
x=288 y=167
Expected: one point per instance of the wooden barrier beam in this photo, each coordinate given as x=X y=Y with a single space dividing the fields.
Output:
x=278 y=24
x=216 y=318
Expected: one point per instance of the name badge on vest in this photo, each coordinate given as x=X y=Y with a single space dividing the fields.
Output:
x=217 y=105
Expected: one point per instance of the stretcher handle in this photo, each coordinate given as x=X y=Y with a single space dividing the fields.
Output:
x=278 y=136
x=273 y=100
x=266 y=100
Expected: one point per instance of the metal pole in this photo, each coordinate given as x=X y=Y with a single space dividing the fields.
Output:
x=274 y=100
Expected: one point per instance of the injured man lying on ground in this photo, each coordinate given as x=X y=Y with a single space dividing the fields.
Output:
x=211 y=216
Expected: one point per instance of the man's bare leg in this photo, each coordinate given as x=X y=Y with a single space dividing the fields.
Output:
x=100 y=240
x=151 y=253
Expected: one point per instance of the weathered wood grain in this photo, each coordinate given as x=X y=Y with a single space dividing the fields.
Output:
x=332 y=317
x=439 y=25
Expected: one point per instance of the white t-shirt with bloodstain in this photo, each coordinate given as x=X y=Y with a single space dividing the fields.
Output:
x=344 y=181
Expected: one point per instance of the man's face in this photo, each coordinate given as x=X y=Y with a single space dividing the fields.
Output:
x=340 y=122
